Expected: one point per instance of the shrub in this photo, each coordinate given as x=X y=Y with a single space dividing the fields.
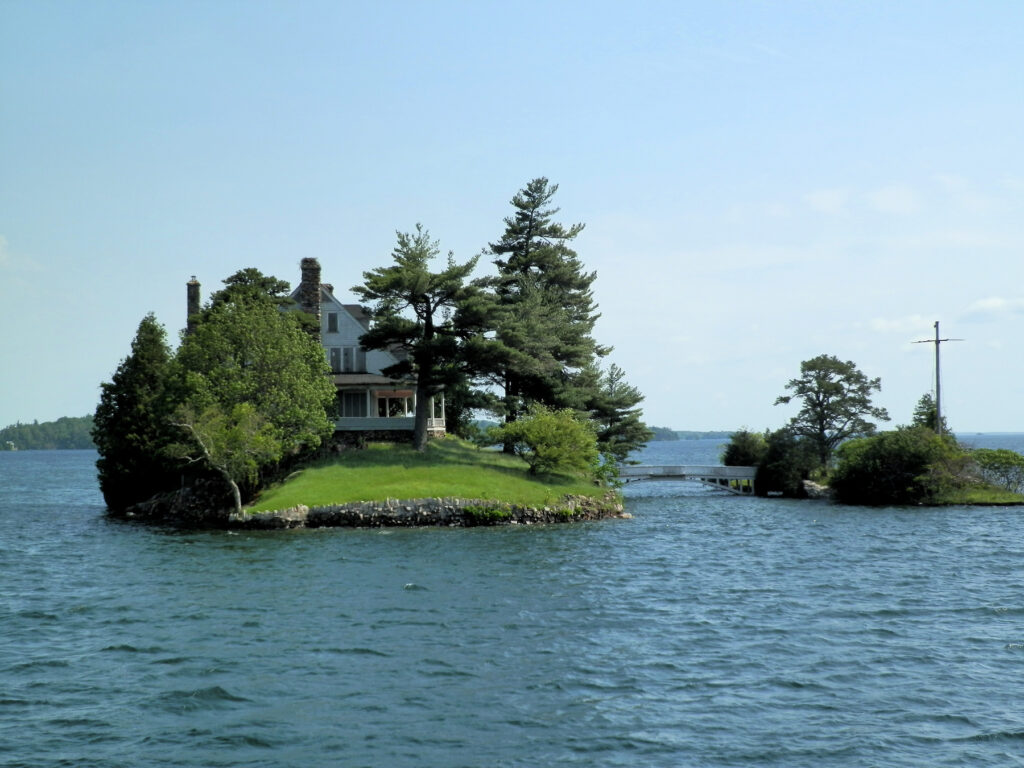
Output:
x=745 y=449
x=911 y=465
x=788 y=460
x=553 y=441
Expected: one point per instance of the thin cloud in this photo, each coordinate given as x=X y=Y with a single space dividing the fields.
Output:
x=908 y=324
x=830 y=201
x=895 y=199
x=995 y=308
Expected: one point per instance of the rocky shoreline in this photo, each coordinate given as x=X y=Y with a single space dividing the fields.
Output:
x=189 y=509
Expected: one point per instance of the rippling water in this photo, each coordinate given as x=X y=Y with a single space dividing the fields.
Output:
x=708 y=631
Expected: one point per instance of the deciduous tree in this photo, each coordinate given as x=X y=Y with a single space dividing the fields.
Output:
x=745 y=449
x=553 y=440
x=255 y=388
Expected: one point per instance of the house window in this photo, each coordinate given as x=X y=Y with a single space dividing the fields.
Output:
x=353 y=360
x=394 y=405
x=353 y=404
x=335 y=355
x=332 y=322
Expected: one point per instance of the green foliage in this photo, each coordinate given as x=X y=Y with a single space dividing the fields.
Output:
x=926 y=414
x=788 y=460
x=745 y=449
x=132 y=422
x=250 y=284
x=1001 y=467
x=66 y=433
x=247 y=387
x=251 y=352
x=910 y=465
x=553 y=440
x=235 y=443
x=489 y=515
x=835 y=403
x=429 y=314
x=659 y=434
x=545 y=307
x=616 y=415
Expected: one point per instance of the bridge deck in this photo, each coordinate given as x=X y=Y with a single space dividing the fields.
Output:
x=733 y=479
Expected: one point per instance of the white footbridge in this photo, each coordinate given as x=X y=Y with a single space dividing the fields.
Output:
x=738 y=480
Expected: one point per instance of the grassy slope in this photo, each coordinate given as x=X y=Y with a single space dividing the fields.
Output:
x=450 y=468
x=982 y=495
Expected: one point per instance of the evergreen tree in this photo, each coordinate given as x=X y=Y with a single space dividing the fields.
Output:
x=431 y=315
x=131 y=425
x=836 y=403
x=547 y=311
x=926 y=414
x=616 y=415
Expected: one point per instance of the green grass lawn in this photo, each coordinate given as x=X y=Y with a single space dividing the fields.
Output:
x=450 y=468
x=981 y=494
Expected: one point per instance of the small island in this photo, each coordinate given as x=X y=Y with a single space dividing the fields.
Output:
x=832 y=449
x=284 y=408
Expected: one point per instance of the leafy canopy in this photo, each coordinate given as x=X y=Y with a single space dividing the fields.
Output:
x=553 y=440
x=910 y=465
x=835 y=400
x=745 y=449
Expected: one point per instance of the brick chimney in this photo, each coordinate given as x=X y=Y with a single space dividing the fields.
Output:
x=192 y=288
x=309 y=289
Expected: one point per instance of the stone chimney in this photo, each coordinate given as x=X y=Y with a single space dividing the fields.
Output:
x=192 y=287
x=309 y=289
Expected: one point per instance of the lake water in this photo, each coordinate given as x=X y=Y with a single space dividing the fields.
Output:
x=710 y=630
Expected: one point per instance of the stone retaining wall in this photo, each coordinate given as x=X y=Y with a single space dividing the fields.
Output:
x=440 y=512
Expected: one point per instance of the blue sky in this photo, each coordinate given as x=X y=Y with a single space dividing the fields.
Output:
x=761 y=182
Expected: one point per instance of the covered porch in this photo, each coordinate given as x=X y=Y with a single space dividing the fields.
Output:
x=373 y=403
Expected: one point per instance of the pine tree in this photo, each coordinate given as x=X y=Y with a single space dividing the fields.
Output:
x=616 y=414
x=547 y=310
x=431 y=315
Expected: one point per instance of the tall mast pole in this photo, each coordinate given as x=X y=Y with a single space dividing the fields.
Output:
x=938 y=384
x=938 y=377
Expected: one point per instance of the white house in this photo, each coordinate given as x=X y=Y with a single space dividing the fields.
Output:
x=368 y=402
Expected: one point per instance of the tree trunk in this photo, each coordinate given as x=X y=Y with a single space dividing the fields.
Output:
x=236 y=494
x=508 y=445
x=419 y=432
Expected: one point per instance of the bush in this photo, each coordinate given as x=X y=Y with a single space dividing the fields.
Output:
x=788 y=460
x=911 y=465
x=553 y=441
x=745 y=449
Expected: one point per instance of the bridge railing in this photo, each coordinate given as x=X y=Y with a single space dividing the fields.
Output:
x=738 y=480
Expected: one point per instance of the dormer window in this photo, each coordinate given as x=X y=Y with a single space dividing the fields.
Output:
x=332 y=322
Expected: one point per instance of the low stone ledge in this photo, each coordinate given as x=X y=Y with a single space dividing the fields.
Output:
x=406 y=513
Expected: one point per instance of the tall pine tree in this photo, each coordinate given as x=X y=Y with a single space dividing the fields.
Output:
x=430 y=315
x=546 y=307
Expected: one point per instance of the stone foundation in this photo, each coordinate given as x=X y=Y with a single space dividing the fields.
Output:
x=461 y=513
